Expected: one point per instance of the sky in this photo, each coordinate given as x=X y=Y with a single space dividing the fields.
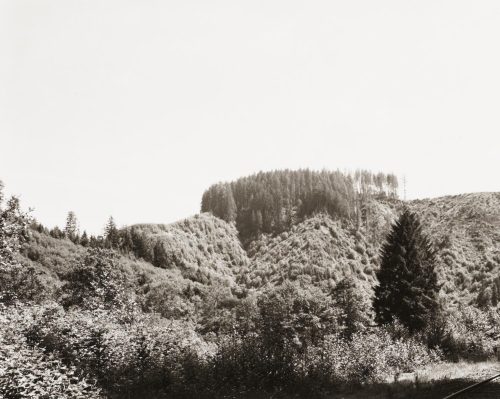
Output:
x=133 y=108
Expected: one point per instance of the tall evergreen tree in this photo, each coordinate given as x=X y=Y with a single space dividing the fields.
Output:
x=71 y=228
x=408 y=287
x=56 y=232
x=84 y=240
x=111 y=234
x=230 y=208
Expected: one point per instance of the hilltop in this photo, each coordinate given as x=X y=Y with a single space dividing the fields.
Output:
x=272 y=202
x=203 y=247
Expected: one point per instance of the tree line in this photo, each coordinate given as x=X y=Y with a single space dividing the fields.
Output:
x=267 y=202
x=271 y=202
x=71 y=231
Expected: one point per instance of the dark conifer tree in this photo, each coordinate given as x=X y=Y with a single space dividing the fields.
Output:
x=76 y=239
x=408 y=288
x=56 y=232
x=96 y=242
x=126 y=242
x=84 y=240
x=229 y=213
x=111 y=234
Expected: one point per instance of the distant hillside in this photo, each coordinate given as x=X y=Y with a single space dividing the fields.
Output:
x=53 y=257
x=169 y=263
x=466 y=230
x=163 y=290
x=203 y=248
x=319 y=251
x=272 y=202
x=322 y=250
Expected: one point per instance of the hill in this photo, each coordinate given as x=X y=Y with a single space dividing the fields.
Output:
x=319 y=250
x=272 y=202
x=169 y=269
x=466 y=232
x=175 y=310
x=203 y=248
x=323 y=249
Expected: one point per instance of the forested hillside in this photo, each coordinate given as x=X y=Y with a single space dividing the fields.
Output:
x=162 y=290
x=321 y=249
x=466 y=232
x=325 y=225
x=202 y=248
x=318 y=251
x=224 y=303
x=272 y=202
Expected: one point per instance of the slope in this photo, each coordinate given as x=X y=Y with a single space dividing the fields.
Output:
x=322 y=250
x=319 y=251
x=466 y=230
x=204 y=248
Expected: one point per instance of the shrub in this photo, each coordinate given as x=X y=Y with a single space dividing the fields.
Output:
x=27 y=371
x=368 y=357
x=95 y=282
x=471 y=333
x=146 y=355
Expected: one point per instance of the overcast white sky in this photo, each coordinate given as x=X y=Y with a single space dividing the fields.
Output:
x=133 y=108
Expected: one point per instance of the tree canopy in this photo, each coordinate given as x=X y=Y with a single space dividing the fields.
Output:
x=271 y=202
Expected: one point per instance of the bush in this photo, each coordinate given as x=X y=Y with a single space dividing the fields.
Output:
x=471 y=333
x=147 y=355
x=95 y=282
x=27 y=371
x=368 y=357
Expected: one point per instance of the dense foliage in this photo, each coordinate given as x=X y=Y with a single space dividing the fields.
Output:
x=184 y=310
x=204 y=248
x=466 y=233
x=272 y=202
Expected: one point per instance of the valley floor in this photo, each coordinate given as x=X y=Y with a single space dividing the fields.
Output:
x=434 y=382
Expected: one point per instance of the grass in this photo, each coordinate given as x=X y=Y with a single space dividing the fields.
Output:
x=433 y=382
